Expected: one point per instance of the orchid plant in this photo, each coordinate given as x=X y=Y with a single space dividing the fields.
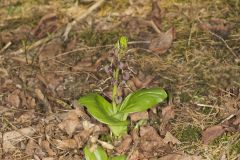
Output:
x=114 y=113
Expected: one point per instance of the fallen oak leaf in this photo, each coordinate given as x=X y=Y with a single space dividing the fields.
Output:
x=13 y=137
x=31 y=147
x=70 y=123
x=163 y=41
x=65 y=144
x=167 y=114
x=170 y=138
x=211 y=133
x=150 y=141
x=82 y=137
x=46 y=146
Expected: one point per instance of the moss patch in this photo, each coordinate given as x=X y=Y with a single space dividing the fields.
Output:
x=189 y=134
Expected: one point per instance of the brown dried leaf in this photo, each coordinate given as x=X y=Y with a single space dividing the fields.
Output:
x=26 y=117
x=150 y=141
x=167 y=114
x=13 y=99
x=162 y=42
x=211 y=133
x=125 y=145
x=3 y=73
x=180 y=157
x=70 y=123
x=13 y=137
x=170 y=138
x=31 y=146
x=46 y=146
x=131 y=85
x=66 y=144
x=80 y=111
x=139 y=116
x=136 y=155
x=82 y=137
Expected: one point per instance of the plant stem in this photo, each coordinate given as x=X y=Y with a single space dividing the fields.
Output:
x=120 y=48
x=115 y=88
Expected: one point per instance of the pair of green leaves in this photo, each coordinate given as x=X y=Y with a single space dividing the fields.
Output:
x=100 y=154
x=138 y=101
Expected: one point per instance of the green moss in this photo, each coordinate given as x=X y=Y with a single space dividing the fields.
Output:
x=189 y=134
x=92 y=38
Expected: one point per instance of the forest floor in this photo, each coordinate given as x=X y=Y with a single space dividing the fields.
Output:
x=191 y=48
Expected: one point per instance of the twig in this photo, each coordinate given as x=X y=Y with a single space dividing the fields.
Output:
x=154 y=26
x=81 y=17
x=209 y=106
x=5 y=47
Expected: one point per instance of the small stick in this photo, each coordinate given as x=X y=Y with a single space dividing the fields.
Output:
x=5 y=47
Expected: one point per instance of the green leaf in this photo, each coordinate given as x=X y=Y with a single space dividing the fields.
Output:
x=142 y=100
x=100 y=109
x=122 y=157
x=88 y=154
x=97 y=154
x=118 y=131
